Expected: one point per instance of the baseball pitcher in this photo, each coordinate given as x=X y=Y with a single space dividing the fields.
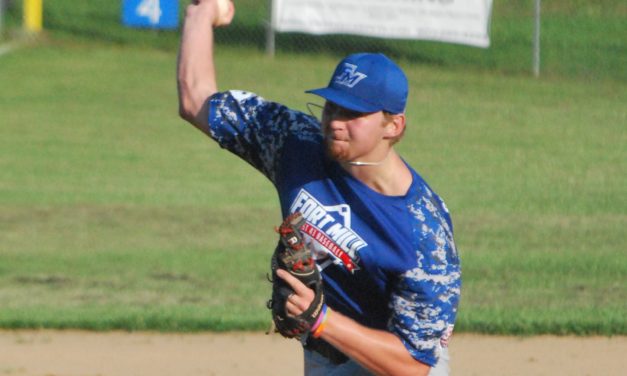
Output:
x=365 y=273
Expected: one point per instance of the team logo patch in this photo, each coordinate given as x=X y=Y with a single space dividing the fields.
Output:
x=330 y=229
x=349 y=76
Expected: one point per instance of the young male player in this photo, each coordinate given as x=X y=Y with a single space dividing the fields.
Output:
x=383 y=238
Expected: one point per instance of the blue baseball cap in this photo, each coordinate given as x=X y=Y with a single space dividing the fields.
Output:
x=367 y=82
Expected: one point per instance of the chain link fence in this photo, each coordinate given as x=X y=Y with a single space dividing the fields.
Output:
x=252 y=22
x=565 y=37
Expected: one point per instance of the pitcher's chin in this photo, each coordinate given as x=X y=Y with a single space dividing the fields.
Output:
x=336 y=151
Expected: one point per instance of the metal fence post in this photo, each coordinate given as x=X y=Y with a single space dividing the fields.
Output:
x=536 y=39
x=1 y=16
x=270 y=35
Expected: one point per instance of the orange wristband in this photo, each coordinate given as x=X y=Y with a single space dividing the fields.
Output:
x=318 y=332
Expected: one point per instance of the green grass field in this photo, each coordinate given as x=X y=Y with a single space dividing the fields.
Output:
x=116 y=214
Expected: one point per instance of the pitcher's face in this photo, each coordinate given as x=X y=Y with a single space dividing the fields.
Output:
x=351 y=135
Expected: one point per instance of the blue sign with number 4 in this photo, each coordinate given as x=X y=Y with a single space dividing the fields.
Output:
x=157 y=14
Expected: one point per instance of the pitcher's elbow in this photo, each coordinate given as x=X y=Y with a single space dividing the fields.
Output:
x=184 y=113
x=188 y=108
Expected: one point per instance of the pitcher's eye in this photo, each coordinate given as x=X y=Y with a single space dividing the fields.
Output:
x=349 y=114
x=338 y=112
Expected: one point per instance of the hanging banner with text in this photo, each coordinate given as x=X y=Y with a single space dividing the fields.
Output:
x=453 y=21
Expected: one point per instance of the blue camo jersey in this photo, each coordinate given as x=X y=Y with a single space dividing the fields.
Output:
x=388 y=262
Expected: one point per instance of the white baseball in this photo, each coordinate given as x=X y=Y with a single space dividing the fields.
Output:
x=223 y=7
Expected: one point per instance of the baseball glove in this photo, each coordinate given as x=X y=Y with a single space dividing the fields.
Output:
x=294 y=255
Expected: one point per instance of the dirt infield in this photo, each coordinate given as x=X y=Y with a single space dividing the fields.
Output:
x=74 y=353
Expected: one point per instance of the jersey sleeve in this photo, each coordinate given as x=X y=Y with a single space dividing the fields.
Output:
x=425 y=297
x=256 y=129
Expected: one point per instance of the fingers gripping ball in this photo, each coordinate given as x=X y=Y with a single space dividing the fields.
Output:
x=225 y=9
x=294 y=255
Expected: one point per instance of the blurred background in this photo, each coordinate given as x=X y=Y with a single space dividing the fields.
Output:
x=578 y=38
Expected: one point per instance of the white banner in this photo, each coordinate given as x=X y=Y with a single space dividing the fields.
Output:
x=454 y=21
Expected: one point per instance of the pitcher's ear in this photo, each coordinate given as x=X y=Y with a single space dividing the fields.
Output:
x=394 y=125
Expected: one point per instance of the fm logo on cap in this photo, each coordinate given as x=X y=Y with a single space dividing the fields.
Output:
x=349 y=76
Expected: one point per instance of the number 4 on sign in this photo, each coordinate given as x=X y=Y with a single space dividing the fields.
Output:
x=150 y=9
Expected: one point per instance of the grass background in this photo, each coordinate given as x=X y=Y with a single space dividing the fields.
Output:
x=114 y=214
